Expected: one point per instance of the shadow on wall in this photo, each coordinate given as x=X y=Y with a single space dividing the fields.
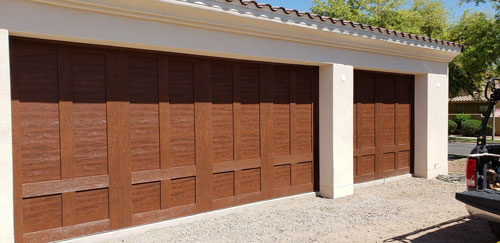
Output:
x=463 y=229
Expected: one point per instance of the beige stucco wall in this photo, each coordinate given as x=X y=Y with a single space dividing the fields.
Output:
x=235 y=32
x=6 y=173
x=431 y=124
x=336 y=93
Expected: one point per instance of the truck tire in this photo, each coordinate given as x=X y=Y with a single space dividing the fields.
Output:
x=495 y=228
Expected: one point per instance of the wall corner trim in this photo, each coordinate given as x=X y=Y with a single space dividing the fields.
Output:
x=6 y=162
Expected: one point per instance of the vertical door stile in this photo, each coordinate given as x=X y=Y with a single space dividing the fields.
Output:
x=16 y=150
x=293 y=124
x=356 y=131
x=120 y=181
x=396 y=126
x=203 y=135
x=266 y=124
x=237 y=126
x=412 y=128
x=66 y=132
x=315 y=127
x=164 y=116
x=379 y=144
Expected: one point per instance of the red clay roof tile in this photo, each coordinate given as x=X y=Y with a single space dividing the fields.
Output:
x=468 y=98
x=345 y=22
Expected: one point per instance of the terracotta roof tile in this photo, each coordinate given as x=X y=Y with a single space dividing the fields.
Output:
x=271 y=8
x=468 y=98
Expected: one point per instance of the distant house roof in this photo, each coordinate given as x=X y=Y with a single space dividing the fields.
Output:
x=270 y=8
x=468 y=99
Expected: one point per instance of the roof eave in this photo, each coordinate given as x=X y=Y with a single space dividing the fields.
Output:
x=282 y=10
x=220 y=15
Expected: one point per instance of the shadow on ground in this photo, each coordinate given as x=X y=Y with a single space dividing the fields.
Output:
x=464 y=229
x=455 y=157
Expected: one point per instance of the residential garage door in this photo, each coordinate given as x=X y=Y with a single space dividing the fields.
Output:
x=383 y=125
x=108 y=138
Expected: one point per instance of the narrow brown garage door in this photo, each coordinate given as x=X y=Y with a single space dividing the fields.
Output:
x=383 y=125
x=108 y=138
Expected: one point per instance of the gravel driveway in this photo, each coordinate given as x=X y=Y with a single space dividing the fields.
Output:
x=408 y=210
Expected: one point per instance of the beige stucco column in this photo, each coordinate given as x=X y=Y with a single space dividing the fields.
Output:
x=335 y=130
x=6 y=173
x=431 y=124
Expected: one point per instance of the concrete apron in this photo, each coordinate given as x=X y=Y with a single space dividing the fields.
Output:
x=382 y=181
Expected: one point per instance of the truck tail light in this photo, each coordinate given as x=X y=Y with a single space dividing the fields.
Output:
x=470 y=175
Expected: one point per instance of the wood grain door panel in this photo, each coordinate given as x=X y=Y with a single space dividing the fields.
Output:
x=107 y=138
x=383 y=125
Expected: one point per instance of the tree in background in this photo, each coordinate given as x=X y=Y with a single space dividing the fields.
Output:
x=479 y=32
x=426 y=17
x=495 y=3
x=422 y=17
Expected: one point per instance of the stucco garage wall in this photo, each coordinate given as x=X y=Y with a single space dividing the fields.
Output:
x=336 y=113
x=431 y=131
x=6 y=172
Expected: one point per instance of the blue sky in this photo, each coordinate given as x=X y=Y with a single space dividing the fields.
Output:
x=452 y=6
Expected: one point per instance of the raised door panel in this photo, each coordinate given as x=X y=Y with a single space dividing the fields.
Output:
x=144 y=113
x=91 y=205
x=39 y=117
x=249 y=118
x=222 y=113
x=404 y=106
x=88 y=82
x=281 y=111
x=303 y=112
x=364 y=126
x=404 y=126
x=181 y=104
x=365 y=108
x=385 y=85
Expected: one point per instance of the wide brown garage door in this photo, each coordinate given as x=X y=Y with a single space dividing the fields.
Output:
x=108 y=138
x=383 y=125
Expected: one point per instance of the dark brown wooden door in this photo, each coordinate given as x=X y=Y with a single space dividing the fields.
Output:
x=106 y=138
x=383 y=125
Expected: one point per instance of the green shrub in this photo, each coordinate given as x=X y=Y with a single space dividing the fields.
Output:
x=489 y=130
x=461 y=118
x=452 y=126
x=473 y=127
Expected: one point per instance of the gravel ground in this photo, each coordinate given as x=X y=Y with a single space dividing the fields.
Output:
x=408 y=210
x=457 y=165
x=456 y=169
x=453 y=178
